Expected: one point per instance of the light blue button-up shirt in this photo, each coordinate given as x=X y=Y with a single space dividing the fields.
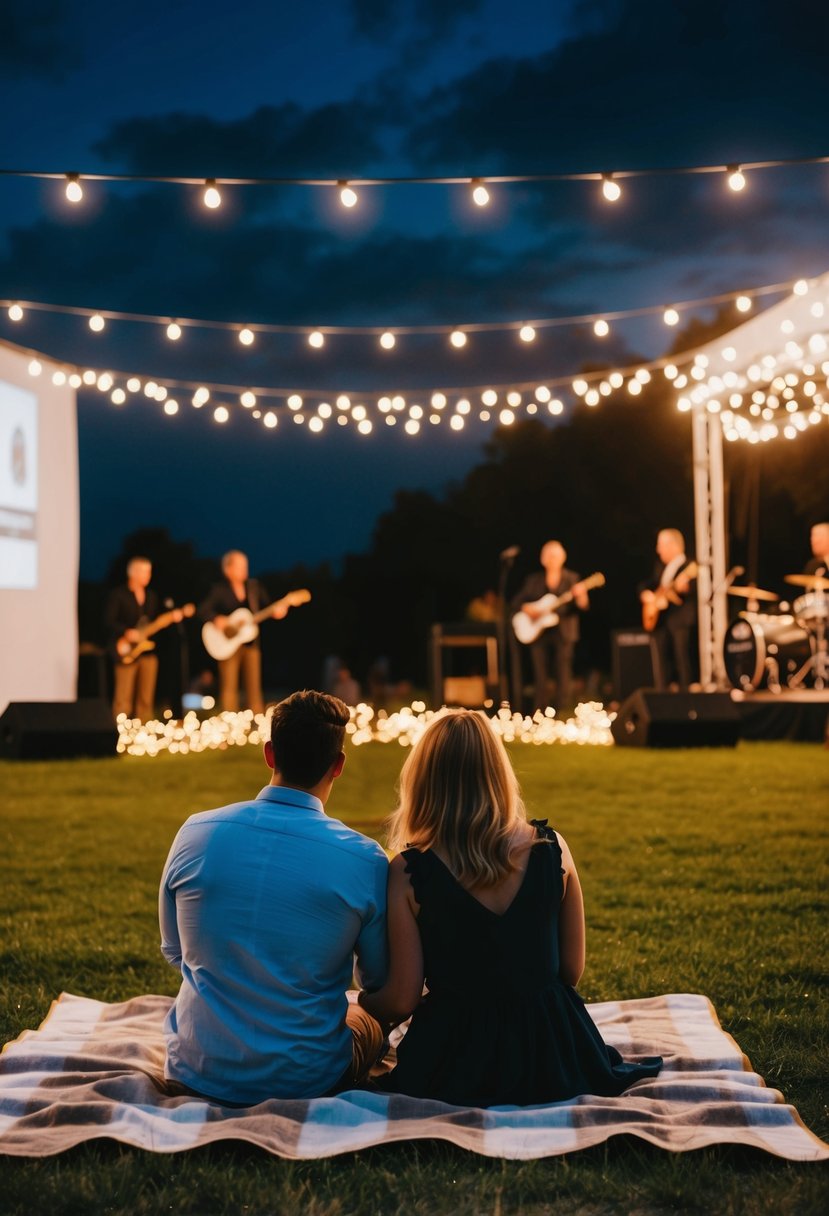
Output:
x=263 y=907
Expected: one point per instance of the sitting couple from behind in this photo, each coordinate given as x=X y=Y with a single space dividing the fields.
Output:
x=269 y=907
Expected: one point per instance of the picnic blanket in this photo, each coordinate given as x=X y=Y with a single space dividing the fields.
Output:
x=94 y=1070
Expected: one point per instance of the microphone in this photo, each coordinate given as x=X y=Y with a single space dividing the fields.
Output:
x=510 y=554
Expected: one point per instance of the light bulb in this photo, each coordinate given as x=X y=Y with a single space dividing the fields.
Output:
x=480 y=194
x=15 y=313
x=316 y=339
x=211 y=197
x=743 y=303
x=801 y=287
x=248 y=399
x=348 y=196
x=526 y=333
x=133 y=384
x=174 y=331
x=387 y=340
x=611 y=189
x=246 y=336
x=670 y=316
x=601 y=329
x=96 y=323
x=74 y=191
x=221 y=413
x=457 y=338
x=270 y=420
x=118 y=396
x=736 y=179
x=201 y=397
x=170 y=407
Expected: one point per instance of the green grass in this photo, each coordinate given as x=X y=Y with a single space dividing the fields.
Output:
x=703 y=872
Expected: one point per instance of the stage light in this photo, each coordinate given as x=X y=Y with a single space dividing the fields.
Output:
x=601 y=329
x=221 y=413
x=736 y=179
x=387 y=340
x=457 y=338
x=174 y=331
x=15 y=313
x=74 y=191
x=480 y=194
x=96 y=323
x=316 y=339
x=211 y=197
x=526 y=333
x=348 y=196
x=248 y=399
x=246 y=336
x=670 y=316
x=610 y=188
x=743 y=303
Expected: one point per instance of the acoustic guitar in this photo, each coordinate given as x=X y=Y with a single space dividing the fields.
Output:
x=128 y=651
x=242 y=626
x=663 y=596
x=528 y=628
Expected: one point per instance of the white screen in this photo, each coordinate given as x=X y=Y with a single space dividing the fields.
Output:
x=18 y=487
x=39 y=533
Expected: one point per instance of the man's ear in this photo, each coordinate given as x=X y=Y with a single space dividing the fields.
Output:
x=338 y=765
x=268 y=753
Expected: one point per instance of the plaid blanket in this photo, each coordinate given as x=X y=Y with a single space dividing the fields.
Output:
x=95 y=1070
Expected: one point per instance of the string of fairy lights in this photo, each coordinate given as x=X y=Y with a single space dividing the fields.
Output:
x=782 y=392
x=479 y=188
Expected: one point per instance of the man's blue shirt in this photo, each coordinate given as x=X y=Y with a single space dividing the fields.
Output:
x=263 y=907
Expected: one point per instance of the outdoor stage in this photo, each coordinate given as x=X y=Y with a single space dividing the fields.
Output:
x=800 y=714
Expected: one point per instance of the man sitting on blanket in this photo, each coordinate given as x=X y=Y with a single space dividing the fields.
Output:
x=263 y=907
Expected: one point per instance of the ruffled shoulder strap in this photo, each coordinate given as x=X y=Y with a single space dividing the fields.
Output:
x=419 y=867
x=545 y=832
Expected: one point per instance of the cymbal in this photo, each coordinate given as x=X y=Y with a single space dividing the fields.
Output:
x=753 y=593
x=815 y=582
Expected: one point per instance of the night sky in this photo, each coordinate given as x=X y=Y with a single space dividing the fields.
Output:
x=374 y=87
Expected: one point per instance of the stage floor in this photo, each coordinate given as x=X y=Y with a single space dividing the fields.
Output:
x=797 y=714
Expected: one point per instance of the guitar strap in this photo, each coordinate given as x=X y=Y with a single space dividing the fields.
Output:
x=252 y=588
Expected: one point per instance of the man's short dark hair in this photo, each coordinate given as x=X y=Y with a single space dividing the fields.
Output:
x=307 y=735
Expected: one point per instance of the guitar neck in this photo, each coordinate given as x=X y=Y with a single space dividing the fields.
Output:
x=160 y=622
x=264 y=613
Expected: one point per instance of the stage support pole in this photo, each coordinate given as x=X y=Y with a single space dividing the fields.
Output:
x=709 y=516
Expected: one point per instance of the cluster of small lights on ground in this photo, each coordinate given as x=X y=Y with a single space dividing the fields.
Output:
x=589 y=725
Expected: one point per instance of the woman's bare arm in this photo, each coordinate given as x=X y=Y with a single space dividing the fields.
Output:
x=402 y=990
x=571 y=933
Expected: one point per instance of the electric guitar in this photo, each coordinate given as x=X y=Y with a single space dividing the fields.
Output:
x=128 y=651
x=528 y=628
x=663 y=596
x=243 y=626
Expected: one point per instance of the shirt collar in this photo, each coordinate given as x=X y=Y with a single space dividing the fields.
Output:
x=285 y=795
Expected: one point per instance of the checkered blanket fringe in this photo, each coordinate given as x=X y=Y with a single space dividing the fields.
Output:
x=94 y=1070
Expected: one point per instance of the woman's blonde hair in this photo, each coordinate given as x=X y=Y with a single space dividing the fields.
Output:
x=458 y=793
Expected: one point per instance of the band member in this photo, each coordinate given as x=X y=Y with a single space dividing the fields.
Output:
x=554 y=578
x=127 y=607
x=237 y=590
x=677 y=621
x=819 y=563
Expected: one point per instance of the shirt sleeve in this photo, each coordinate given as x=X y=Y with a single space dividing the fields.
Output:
x=211 y=605
x=371 y=949
x=167 y=920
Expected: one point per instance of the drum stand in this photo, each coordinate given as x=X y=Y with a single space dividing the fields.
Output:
x=818 y=661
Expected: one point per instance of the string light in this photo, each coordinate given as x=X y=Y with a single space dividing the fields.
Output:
x=221 y=414
x=74 y=190
x=246 y=336
x=670 y=316
x=526 y=333
x=248 y=399
x=35 y=367
x=174 y=331
x=96 y=323
x=15 y=313
x=480 y=194
x=743 y=303
x=211 y=197
x=387 y=340
x=601 y=328
x=736 y=179
x=348 y=196
x=457 y=338
x=610 y=188
x=316 y=339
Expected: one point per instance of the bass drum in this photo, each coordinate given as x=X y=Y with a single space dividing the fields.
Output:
x=764 y=651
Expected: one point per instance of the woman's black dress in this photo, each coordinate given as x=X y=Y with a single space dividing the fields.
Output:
x=498 y=1027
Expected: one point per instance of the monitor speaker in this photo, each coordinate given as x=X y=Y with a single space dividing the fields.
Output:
x=57 y=730
x=635 y=661
x=677 y=719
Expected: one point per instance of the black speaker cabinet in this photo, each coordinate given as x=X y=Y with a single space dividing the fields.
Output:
x=677 y=719
x=57 y=730
x=635 y=661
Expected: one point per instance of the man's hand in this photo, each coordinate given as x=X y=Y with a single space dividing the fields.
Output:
x=220 y=622
x=132 y=635
x=647 y=597
x=532 y=611
x=580 y=596
x=682 y=584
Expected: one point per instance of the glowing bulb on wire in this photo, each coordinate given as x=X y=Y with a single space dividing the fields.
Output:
x=211 y=197
x=74 y=190
x=457 y=338
x=526 y=333
x=601 y=328
x=15 y=313
x=611 y=189
x=96 y=323
x=670 y=316
x=174 y=331
x=387 y=340
x=736 y=179
x=348 y=196
x=316 y=339
x=480 y=194
x=246 y=336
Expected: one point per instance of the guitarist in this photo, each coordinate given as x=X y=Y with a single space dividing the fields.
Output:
x=127 y=607
x=555 y=578
x=677 y=621
x=237 y=590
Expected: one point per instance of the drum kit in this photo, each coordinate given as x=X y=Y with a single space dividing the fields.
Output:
x=780 y=646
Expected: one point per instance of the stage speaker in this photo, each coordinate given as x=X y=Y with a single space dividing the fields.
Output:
x=635 y=661
x=677 y=719
x=57 y=730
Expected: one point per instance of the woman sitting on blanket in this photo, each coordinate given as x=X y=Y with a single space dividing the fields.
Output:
x=487 y=909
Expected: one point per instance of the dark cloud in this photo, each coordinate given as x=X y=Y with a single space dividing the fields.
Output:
x=36 y=39
x=381 y=19
x=284 y=140
x=658 y=84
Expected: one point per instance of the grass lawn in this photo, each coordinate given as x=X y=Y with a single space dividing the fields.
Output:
x=704 y=871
